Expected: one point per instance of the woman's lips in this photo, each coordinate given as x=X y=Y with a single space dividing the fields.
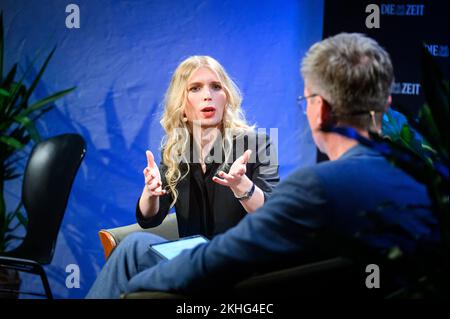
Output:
x=208 y=111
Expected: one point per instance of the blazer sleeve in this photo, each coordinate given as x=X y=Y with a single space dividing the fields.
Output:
x=164 y=205
x=265 y=171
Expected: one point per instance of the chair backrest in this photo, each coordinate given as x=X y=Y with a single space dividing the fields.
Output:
x=47 y=182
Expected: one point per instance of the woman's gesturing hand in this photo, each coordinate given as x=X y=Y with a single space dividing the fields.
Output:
x=236 y=176
x=152 y=176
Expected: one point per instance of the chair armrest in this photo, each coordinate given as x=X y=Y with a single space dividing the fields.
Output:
x=108 y=242
x=110 y=238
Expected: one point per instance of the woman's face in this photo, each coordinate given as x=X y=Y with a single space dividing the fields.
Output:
x=206 y=98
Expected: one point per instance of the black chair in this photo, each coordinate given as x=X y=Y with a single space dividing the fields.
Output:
x=47 y=182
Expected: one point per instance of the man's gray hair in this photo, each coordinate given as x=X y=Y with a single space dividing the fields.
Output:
x=353 y=73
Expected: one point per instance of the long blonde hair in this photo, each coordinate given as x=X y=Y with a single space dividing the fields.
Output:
x=177 y=133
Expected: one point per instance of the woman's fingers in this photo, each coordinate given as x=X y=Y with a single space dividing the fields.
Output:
x=220 y=181
x=246 y=156
x=160 y=192
x=226 y=176
x=155 y=189
x=239 y=166
x=225 y=179
x=151 y=173
x=149 y=177
x=152 y=177
x=150 y=159
x=238 y=170
x=153 y=185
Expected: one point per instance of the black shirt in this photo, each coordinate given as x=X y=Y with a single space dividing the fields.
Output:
x=201 y=219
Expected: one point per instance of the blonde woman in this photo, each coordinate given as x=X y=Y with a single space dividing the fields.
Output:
x=214 y=169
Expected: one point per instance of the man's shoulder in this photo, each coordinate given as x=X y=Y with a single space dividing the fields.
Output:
x=342 y=170
x=325 y=168
x=303 y=178
x=360 y=162
x=358 y=174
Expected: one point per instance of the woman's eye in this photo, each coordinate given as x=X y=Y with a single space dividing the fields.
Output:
x=194 y=89
x=217 y=87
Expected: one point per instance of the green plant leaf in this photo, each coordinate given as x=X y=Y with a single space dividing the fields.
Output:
x=36 y=106
x=42 y=112
x=20 y=134
x=429 y=129
x=19 y=90
x=436 y=94
x=406 y=134
x=13 y=106
x=10 y=141
x=7 y=86
x=10 y=77
x=4 y=92
x=39 y=75
x=30 y=126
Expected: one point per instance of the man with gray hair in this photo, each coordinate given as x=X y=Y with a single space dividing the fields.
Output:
x=351 y=76
x=357 y=205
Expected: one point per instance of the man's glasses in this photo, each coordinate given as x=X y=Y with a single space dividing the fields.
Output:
x=301 y=100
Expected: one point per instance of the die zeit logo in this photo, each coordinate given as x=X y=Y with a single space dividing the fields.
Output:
x=373 y=19
x=406 y=88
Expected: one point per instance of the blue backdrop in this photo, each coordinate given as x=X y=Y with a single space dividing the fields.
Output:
x=121 y=60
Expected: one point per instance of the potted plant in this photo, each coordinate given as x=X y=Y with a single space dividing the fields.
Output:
x=17 y=130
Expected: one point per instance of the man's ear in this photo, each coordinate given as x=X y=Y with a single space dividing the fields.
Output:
x=326 y=114
x=388 y=105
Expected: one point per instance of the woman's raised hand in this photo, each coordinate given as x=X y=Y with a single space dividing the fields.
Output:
x=235 y=176
x=153 y=177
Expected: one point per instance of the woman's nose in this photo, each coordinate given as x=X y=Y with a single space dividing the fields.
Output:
x=207 y=95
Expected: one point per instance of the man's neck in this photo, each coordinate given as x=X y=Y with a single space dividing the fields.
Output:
x=336 y=145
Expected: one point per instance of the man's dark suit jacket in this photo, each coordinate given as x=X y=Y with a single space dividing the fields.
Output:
x=317 y=211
